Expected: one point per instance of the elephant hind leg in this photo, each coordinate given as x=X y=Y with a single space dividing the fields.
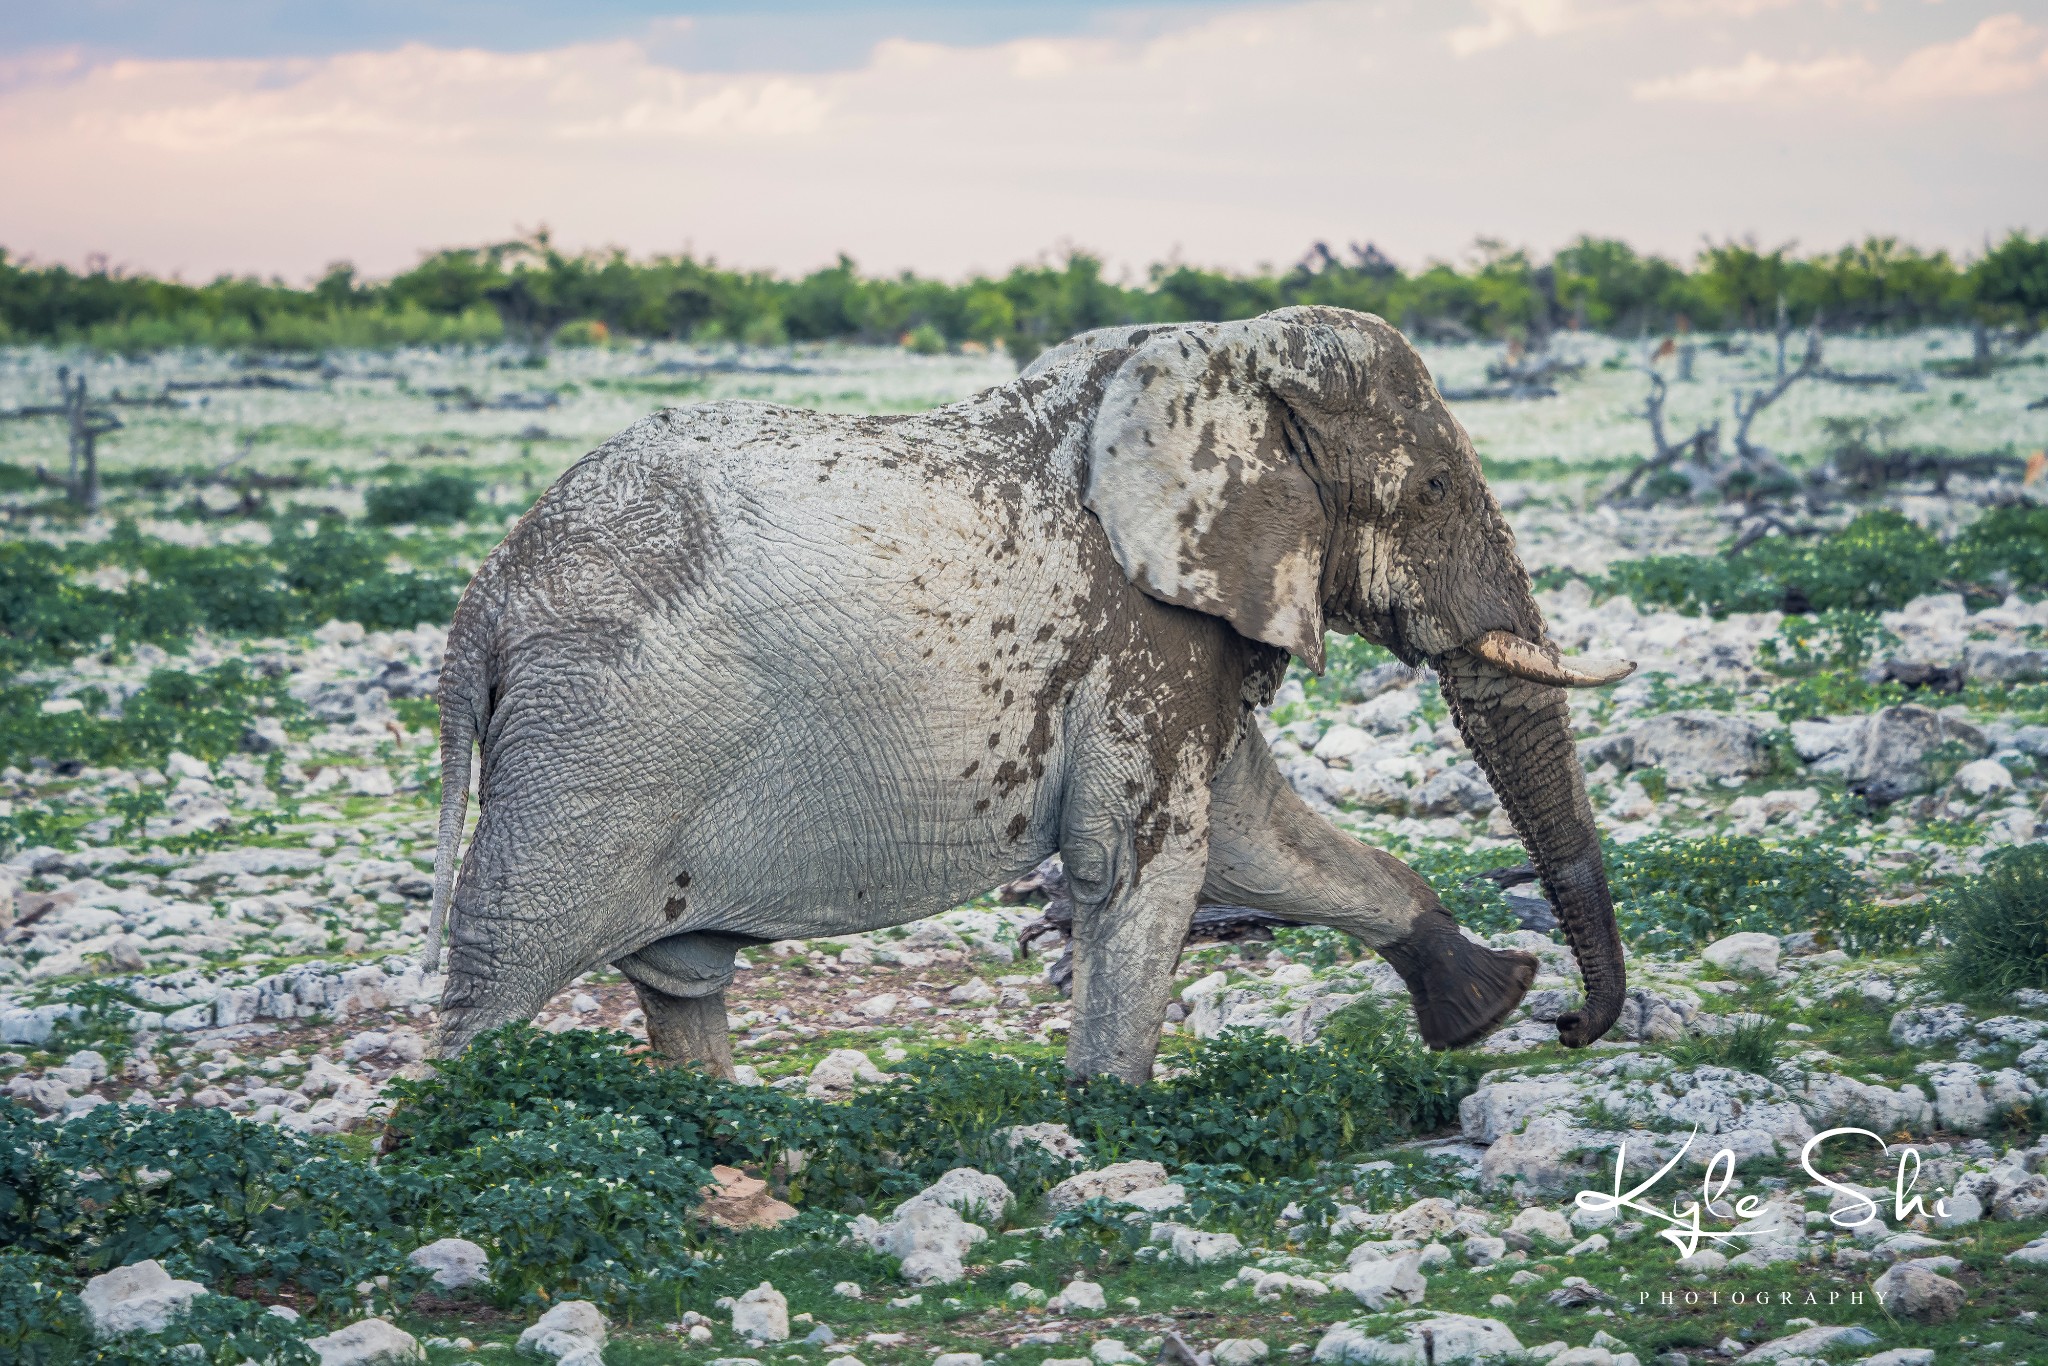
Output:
x=681 y=982
x=688 y=1029
x=1267 y=850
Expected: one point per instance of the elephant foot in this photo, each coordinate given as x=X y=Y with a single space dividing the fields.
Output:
x=687 y=1029
x=1461 y=990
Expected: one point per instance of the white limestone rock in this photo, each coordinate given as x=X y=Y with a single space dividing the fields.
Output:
x=372 y=1342
x=141 y=1297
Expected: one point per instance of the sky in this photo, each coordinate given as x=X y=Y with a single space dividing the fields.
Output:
x=274 y=137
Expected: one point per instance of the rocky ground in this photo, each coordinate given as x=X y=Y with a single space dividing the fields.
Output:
x=240 y=932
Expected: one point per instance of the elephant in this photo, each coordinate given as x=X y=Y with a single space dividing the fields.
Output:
x=748 y=673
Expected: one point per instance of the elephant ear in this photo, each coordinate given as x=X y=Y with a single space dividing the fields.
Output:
x=1200 y=466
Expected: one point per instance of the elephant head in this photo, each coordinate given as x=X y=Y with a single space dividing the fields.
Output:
x=1299 y=472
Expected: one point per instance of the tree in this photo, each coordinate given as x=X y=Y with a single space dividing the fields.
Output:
x=2009 y=289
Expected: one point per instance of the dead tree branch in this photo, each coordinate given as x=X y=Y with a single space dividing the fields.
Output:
x=1699 y=450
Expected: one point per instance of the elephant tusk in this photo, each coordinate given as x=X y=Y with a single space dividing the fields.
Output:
x=1513 y=655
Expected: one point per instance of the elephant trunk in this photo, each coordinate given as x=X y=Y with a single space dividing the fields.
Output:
x=1520 y=732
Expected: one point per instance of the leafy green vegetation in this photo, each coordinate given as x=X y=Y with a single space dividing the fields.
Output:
x=1674 y=894
x=299 y=580
x=1750 y=1046
x=204 y=714
x=1878 y=562
x=1250 y=1100
x=432 y=499
x=1997 y=926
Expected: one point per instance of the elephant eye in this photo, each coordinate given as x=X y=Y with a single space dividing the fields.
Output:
x=1433 y=492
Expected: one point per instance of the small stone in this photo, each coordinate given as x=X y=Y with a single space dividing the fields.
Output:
x=573 y=1333
x=1113 y=1182
x=1747 y=954
x=1983 y=777
x=1055 y=1139
x=957 y=1359
x=138 y=1298
x=1193 y=1247
x=455 y=1262
x=1108 y=1352
x=838 y=1072
x=1481 y=1250
x=1912 y=1291
x=371 y=1342
x=1239 y=1351
x=1380 y=1286
x=742 y=1201
x=847 y=1290
x=761 y=1314
x=1079 y=1296
x=2032 y=1254
x=1806 y=1342
x=1546 y=1224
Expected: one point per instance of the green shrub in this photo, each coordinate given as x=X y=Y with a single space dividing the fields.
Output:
x=298 y=581
x=1249 y=1099
x=1879 y=562
x=219 y=1330
x=583 y=1206
x=925 y=340
x=42 y=1322
x=203 y=714
x=1673 y=894
x=2009 y=543
x=1751 y=1046
x=1835 y=639
x=436 y=499
x=1996 y=924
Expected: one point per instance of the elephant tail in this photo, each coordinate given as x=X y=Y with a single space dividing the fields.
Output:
x=459 y=735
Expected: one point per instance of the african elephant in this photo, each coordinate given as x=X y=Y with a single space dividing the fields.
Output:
x=748 y=673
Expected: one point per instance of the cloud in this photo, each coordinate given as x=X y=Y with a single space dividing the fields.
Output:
x=1231 y=136
x=1757 y=76
x=1506 y=20
x=2003 y=55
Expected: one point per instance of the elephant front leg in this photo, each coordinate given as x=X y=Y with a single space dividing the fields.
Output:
x=1134 y=894
x=1267 y=850
x=688 y=1029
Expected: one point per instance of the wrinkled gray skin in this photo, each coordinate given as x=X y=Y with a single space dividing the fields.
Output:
x=749 y=673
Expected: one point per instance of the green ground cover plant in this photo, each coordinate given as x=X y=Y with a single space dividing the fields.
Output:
x=1673 y=894
x=577 y=1163
x=299 y=580
x=1996 y=925
x=1878 y=562
x=205 y=713
x=438 y=498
